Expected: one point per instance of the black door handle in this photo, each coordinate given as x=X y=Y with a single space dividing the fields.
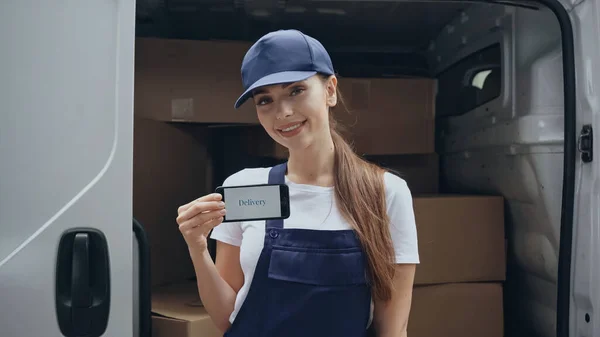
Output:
x=80 y=271
x=82 y=283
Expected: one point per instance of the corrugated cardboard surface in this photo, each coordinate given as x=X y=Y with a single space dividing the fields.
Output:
x=193 y=81
x=389 y=116
x=461 y=239
x=420 y=171
x=177 y=312
x=171 y=168
x=457 y=310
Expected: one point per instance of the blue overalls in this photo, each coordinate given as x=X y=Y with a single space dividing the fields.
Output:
x=307 y=283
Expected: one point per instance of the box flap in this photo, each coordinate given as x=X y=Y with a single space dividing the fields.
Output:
x=179 y=301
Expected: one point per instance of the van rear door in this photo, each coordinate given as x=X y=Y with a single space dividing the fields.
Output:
x=585 y=273
x=66 y=110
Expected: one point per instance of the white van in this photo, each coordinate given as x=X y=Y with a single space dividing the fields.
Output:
x=517 y=100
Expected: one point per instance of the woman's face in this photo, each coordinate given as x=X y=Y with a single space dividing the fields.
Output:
x=296 y=115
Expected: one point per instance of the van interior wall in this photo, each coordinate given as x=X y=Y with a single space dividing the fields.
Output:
x=513 y=146
x=188 y=140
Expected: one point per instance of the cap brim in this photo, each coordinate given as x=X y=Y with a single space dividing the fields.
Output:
x=276 y=78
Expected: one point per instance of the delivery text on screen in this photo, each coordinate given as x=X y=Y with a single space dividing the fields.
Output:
x=252 y=202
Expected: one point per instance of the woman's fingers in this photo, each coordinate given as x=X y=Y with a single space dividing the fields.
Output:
x=197 y=218
x=198 y=208
x=201 y=219
x=212 y=224
x=208 y=197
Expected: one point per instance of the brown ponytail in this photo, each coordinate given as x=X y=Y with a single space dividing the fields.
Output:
x=360 y=194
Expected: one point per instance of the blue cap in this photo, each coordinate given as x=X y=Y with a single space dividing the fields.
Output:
x=283 y=56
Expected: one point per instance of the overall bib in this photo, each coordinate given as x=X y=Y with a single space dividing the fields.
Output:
x=307 y=283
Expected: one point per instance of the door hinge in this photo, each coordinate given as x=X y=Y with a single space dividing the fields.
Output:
x=586 y=143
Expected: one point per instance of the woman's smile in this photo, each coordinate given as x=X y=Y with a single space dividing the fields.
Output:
x=291 y=129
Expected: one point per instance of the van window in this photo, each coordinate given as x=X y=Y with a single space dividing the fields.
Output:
x=470 y=82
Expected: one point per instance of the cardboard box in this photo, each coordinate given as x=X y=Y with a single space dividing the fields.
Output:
x=461 y=239
x=190 y=81
x=178 y=312
x=420 y=171
x=457 y=310
x=389 y=116
x=171 y=167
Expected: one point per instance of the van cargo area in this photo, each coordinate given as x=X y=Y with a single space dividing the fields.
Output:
x=465 y=101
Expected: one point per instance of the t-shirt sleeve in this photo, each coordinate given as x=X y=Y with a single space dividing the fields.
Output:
x=230 y=232
x=403 y=227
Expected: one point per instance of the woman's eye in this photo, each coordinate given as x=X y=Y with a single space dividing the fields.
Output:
x=263 y=101
x=297 y=91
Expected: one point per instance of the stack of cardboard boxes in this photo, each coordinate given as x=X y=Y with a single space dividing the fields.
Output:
x=458 y=285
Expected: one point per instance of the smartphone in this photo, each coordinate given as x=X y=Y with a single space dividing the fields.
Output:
x=255 y=202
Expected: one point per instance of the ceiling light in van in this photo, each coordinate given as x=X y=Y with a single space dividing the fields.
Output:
x=479 y=78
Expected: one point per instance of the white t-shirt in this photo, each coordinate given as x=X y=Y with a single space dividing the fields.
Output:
x=314 y=207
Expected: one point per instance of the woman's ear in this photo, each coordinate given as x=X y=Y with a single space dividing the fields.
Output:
x=331 y=88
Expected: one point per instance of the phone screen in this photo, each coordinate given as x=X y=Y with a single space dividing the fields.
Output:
x=252 y=202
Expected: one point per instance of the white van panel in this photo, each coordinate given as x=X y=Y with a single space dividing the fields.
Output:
x=585 y=266
x=66 y=102
x=513 y=146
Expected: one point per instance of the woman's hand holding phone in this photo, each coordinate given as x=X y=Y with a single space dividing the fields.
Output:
x=197 y=218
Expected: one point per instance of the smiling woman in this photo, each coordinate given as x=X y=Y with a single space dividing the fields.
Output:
x=343 y=263
x=285 y=111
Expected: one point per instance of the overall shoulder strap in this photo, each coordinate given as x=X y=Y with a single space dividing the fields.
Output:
x=277 y=176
